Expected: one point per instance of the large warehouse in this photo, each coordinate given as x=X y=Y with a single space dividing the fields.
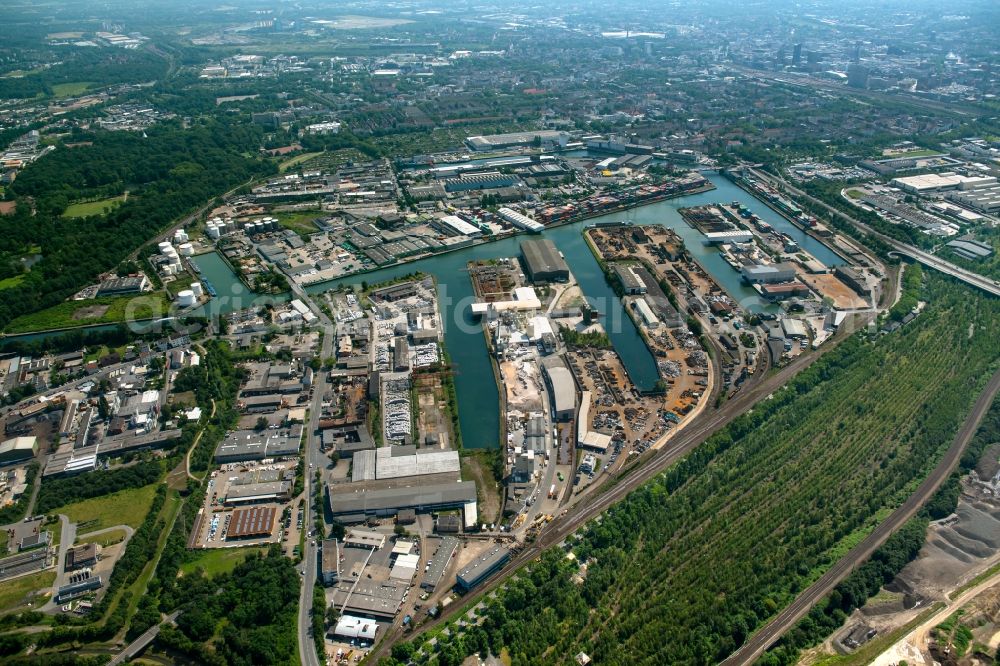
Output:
x=355 y=506
x=18 y=449
x=563 y=389
x=543 y=262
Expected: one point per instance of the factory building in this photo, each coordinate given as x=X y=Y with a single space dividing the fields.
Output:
x=482 y=568
x=248 y=445
x=329 y=566
x=641 y=307
x=513 y=139
x=631 y=283
x=560 y=383
x=852 y=279
x=454 y=225
x=969 y=248
x=120 y=286
x=764 y=274
x=488 y=180
x=543 y=262
x=356 y=629
x=18 y=449
x=251 y=523
x=355 y=506
x=520 y=221
x=439 y=562
x=395 y=462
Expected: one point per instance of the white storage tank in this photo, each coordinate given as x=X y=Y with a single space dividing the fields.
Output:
x=197 y=290
x=186 y=249
x=165 y=247
x=180 y=236
x=186 y=298
x=212 y=230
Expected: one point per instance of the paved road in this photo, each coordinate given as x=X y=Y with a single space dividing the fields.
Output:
x=773 y=630
x=315 y=460
x=648 y=466
x=932 y=261
x=139 y=644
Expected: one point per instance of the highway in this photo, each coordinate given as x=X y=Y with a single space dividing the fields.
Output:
x=630 y=478
x=927 y=259
x=792 y=613
x=315 y=460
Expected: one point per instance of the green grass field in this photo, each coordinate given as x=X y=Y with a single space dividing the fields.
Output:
x=110 y=310
x=913 y=153
x=17 y=593
x=88 y=208
x=300 y=222
x=104 y=539
x=126 y=507
x=218 y=560
x=7 y=283
x=295 y=161
x=72 y=89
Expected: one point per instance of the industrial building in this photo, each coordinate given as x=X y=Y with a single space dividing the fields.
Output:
x=379 y=600
x=560 y=382
x=513 y=139
x=455 y=225
x=348 y=440
x=488 y=180
x=356 y=628
x=364 y=539
x=439 y=563
x=970 y=248
x=252 y=523
x=355 y=506
x=585 y=437
x=543 y=262
x=764 y=274
x=524 y=299
x=520 y=221
x=254 y=493
x=121 y=286
x=329 y=564
x=641 y=307
x=852 y=279
x=631 y=283
x=984 y=197
x=482 y=567
x=394 y=462
x=249 y=445
x=79 y=583
x=18 y=449
x=81 y=557
x=733 y=236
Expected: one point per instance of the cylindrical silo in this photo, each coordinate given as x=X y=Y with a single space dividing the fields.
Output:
x=186 y=298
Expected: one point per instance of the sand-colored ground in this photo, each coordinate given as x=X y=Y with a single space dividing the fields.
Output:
x=827 y=285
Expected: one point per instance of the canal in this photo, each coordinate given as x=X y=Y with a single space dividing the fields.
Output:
x=474 y=379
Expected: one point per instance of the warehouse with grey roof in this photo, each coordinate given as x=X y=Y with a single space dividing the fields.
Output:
x=543 y=262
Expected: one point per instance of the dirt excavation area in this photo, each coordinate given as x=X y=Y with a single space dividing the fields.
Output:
x=954 y=575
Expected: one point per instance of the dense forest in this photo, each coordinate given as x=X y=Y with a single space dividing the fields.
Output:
x=168 y=172
x=690 y=564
